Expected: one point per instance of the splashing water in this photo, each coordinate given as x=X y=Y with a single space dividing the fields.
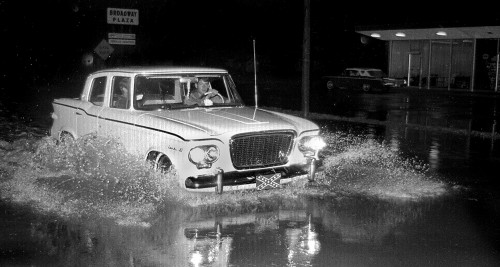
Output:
x=352 y=165
x=94 y=176
x=88 y=177
x=360 y=165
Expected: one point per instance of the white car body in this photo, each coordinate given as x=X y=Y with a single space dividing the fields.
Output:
x=226 y=140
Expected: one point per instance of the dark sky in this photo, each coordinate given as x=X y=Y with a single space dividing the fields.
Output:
x=47 y=39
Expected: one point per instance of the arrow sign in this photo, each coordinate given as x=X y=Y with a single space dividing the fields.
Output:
x=103 y=49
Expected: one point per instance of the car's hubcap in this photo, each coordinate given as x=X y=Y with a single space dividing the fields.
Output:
x=329 y=85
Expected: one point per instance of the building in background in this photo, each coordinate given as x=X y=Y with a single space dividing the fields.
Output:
x=459 y=58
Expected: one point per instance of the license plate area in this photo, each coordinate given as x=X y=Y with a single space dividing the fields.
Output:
x=268 y=181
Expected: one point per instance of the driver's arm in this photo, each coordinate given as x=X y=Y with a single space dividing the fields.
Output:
x=212 y=91
x=216 y=97
x=192 y=100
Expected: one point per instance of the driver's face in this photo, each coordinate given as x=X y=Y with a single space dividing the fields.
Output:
x=124 y=89
x=203 y=86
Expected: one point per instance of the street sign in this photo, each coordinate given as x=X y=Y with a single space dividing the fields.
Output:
x=121 y=41
x=103 y=49
x=123 y=16
x=121 y=38
x=114 y=35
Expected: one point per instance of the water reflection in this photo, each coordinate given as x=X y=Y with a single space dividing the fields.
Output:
x=292 y=235
x=208 y=245
x=212 y=241
x=453 y=157
x=434 y=155
x=445 y=111
x=302 y=244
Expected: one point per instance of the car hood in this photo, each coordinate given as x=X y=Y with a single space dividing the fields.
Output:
x=202 y=123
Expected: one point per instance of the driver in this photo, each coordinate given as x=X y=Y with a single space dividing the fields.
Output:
x=203 y=94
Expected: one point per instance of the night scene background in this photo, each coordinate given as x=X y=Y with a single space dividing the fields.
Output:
x=409 y=176
x=45 y=42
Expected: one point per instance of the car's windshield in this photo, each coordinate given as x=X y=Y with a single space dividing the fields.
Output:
x=184 y=91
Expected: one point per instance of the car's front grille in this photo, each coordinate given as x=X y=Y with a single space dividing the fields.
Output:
x=261 y=149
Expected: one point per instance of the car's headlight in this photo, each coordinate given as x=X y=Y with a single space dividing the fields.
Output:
x=204 y=156
x=310 y=145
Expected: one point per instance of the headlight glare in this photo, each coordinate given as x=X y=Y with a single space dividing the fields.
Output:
x=311 y=143
x=197 y=154
x=315 y=143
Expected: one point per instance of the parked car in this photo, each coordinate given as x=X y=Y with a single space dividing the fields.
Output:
x=366 y=79
x=219 y=143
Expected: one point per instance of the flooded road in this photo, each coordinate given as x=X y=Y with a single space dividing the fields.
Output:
x=407 y=180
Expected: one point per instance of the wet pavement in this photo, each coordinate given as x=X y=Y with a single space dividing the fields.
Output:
x=412 y=106
x=410 y=179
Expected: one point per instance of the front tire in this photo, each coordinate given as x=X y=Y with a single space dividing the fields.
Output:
x=65 y=137
x=159 y=161
x=163 y=164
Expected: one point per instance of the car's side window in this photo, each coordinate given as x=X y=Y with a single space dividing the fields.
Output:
x=97 y=91
x=120 y=92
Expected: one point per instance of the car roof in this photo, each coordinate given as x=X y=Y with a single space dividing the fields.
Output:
x=366 y=69
x=162 y=69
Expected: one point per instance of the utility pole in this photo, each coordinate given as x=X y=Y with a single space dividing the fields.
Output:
x=306 y=59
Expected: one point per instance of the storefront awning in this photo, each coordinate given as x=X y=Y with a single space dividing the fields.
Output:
x=480 y=32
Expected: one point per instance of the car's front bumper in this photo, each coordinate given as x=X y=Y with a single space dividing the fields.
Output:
x=244 y=180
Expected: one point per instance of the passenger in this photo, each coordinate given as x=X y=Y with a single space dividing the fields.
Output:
x=123 y=96
x=202 y=95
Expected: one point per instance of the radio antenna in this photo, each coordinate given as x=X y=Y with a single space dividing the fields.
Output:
x=255 y=72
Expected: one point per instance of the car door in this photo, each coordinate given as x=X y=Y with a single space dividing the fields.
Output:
x=117 y=119
x=86 y=116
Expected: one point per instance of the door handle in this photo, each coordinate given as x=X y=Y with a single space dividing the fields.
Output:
x=78 y=113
